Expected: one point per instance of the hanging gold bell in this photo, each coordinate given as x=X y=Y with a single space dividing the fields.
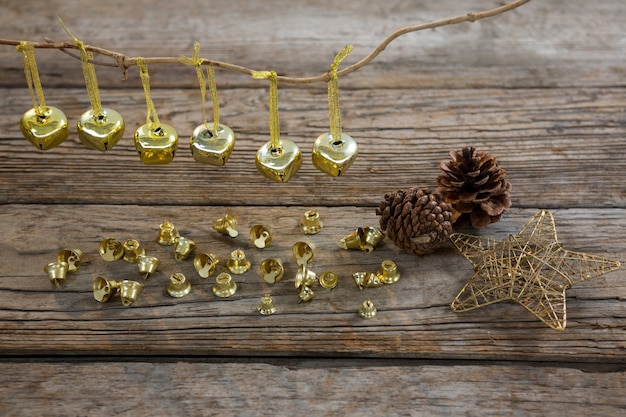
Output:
x=238 y=263
x=261 y=236
x=272 y=270
x=167 y=234
x=72 y=257
x=224 y=285
x=388 y=272
x=310 y=224
x=132 y=250
x=205 y=264
x=211 y=147
x=226 y=225
x=129 y=291
x=111 y=249
x=178 y=286
x=305 y=277
x=303 y=252
x=56 y=271
x=100 y=131
x=104 y=288
x=334 y=157
x=279 y=163
x=45 y=130
x=156 y=145
x=183 y=247
x=147 y=265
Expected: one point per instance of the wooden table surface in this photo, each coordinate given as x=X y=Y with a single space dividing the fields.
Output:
x=542 y=88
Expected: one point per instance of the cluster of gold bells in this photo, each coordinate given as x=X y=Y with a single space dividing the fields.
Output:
x=271 y=269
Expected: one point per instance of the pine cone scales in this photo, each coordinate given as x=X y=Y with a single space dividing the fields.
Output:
x=416 y=220
x=475 y=185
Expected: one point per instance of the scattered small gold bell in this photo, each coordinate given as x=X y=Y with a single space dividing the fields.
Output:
x=303 y=252
x=367 y=280
x=227 y=225
x=208 y=148
x=388 y=272
x=353 y=240
x=129 y=291
x=266 y=307
x=156 y=145
x=224 y=285
x=371 y=238
x=329 y=280
x=205 y=264
x=261 y=236
x=305 y=294
x=367 y=310
x=178 y=286
x=305 y=277
x=56 y=271
x=132 y=250
x=310 y=223
x=359 y=279
x=100 y=131
x=272 y=270
x=279 y=163
x=45 y=130
x=147 y=265
x=72 y=257
x=167 y=234
x=332 y=156
x=104 y=288
x=183 y=247
x=238 y=263
x=111 y=249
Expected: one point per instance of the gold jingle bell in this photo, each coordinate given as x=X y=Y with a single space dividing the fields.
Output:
x=279 y=163
x=111 y=249
x=334 y=157
x=305 y=277
x=212 y=147
x=353 y=240
x=167 y=234
x=56 y=271
x=183 y=247
x=104 y=288
x=367 y=280
x=100 y=131
x=272 y=270
x=303 y=252
x=329 y=280
x=261 y=236
x=238 y=263
x=132 y=250
x=371 y=238
x=45 y=130
x=147 y=265
x=224 y=285
x=205 y=264
x=156 y=145
x=266 y=307
x=72 y=257
x=226 y=225
x=129 y=291
x=306 y=294
x=310 y=224
x=367 y=310
x=178 y=286
x=388 y=272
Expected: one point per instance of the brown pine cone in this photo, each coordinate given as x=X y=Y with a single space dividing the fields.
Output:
x=475 y=185
x=416 y=220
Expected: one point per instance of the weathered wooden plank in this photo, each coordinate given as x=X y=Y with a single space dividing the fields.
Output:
x=560 y=147
x=560 y=43
x=105 y=388
x=414 y=318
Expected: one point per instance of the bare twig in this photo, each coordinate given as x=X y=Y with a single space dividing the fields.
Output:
x=123 y=61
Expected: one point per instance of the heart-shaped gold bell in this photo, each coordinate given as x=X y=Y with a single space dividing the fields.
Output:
x=279 y=163
x=212 y=147
x=100 y=131
x=45 y=129
x=332 y=156
x=156 y=145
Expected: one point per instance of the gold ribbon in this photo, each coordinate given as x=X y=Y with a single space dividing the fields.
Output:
x=32 y=76
x=152 y=119
x=333 y=94
x=274 y=121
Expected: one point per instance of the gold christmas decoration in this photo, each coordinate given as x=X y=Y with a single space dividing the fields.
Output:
x=367 y=310
x=72 y=257
x=129 y=291
x=111 y=249
x=147 y=265
x=310 y=224
x=238 y=262
x=167 y=234
x=205 y=264
x=416 y=220
x=183 y=247
x=104 y=288
x=267 y=306
x=272 y=270
x=261 y=235
x=132 y=250
x=305 y=277
x=178 y=286
x=365 y=239
x=303 y=252
x=226 y=225
x=388 y=272
x=333 y=152
x=305 y=295
x=329 y=280
x=57 y=272
x=530 y=268
x=224 y=286
x=476 y=187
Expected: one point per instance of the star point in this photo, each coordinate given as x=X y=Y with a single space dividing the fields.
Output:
x=530 y=268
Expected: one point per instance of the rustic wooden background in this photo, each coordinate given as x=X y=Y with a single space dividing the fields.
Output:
x=541 y=87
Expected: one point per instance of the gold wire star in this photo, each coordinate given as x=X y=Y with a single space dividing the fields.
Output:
x=530 y=268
